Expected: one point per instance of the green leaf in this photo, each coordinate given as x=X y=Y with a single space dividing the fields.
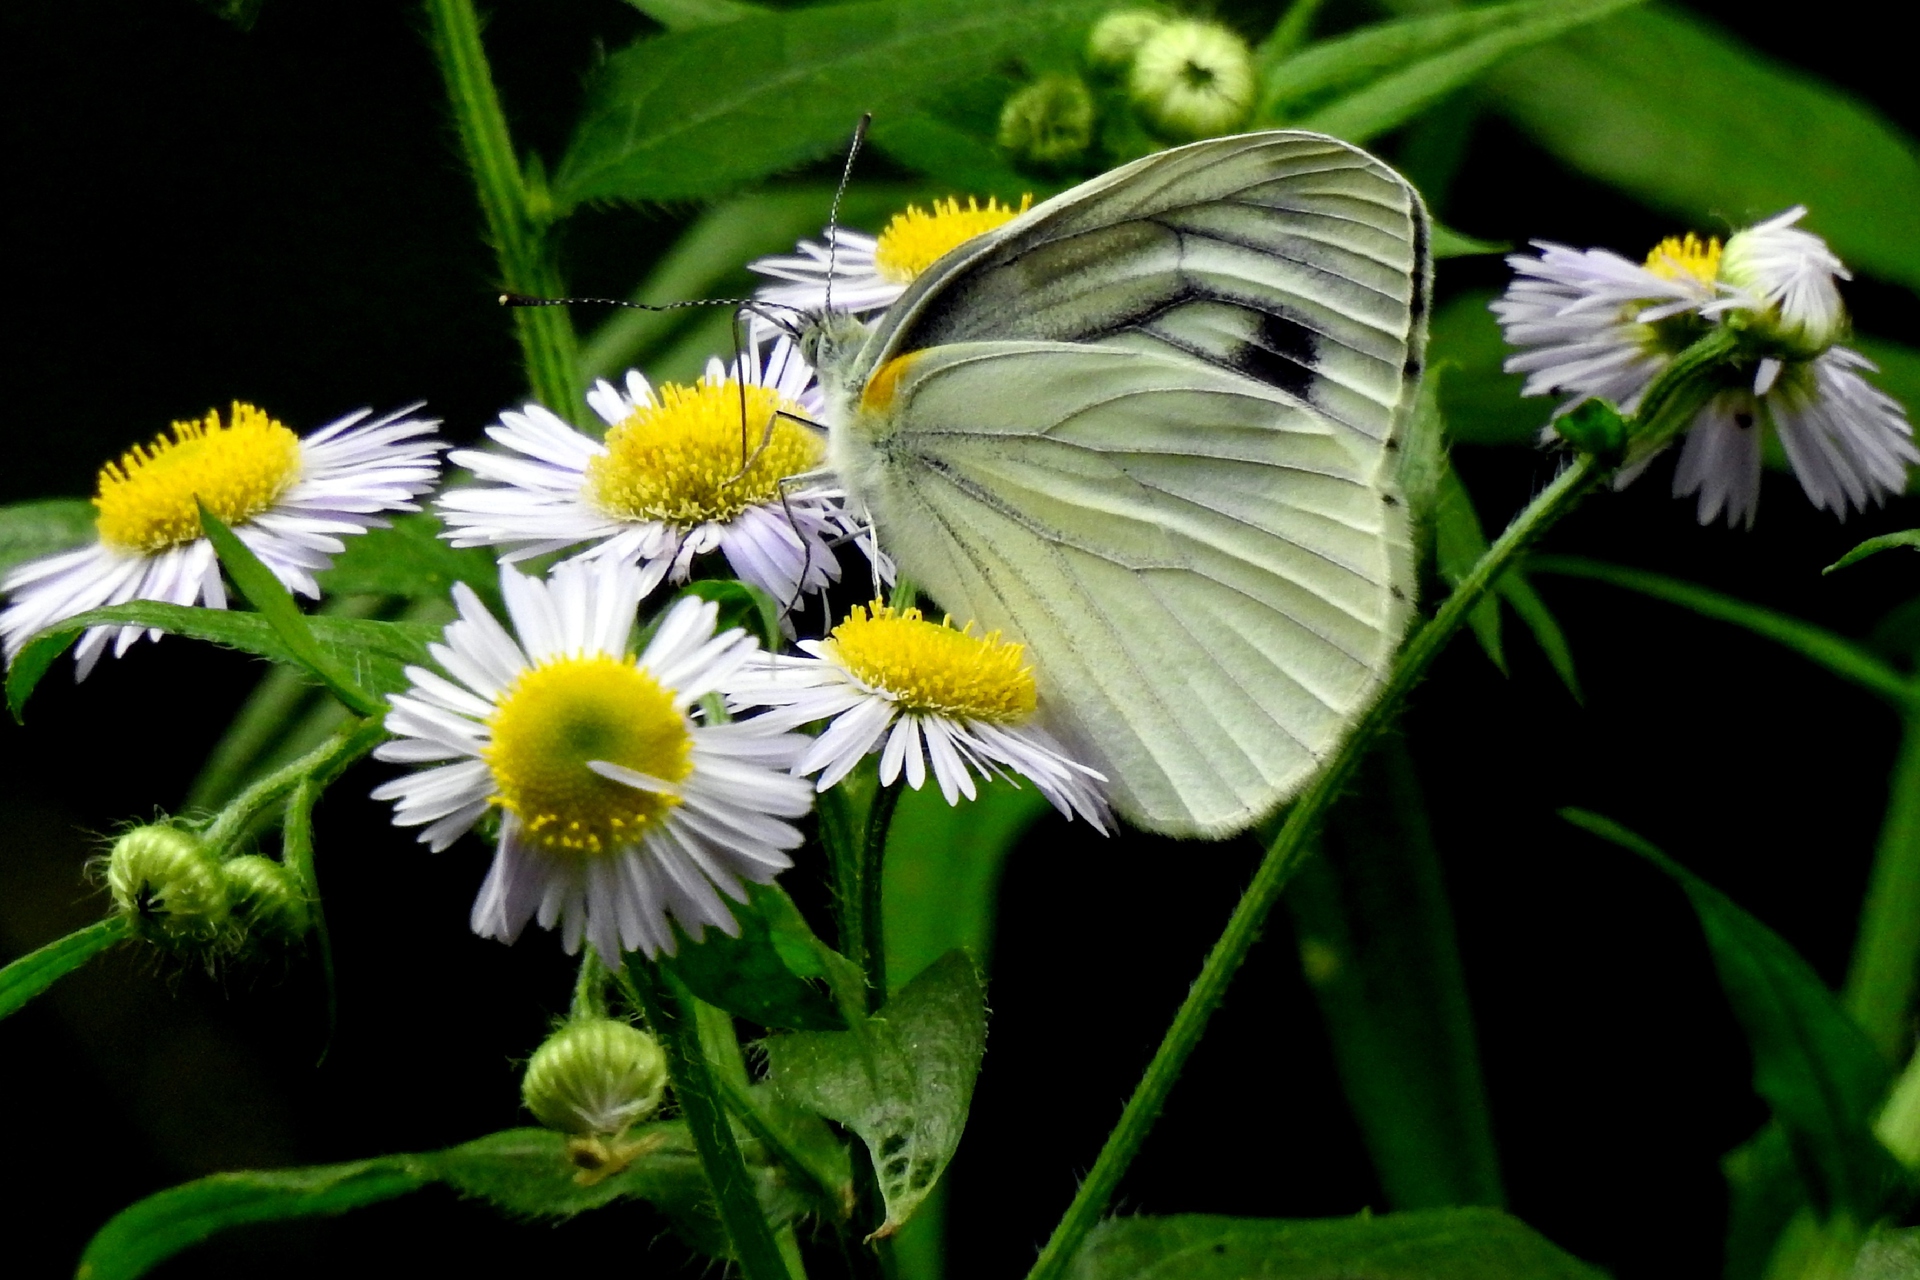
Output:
x=376 y=652
x=1480 y=400
x=1432 y=1244
x=413 y=561
x=1904 y=538
x=1398 y=96
x=1458 y=544
x=742 y=605
x=1662 y=104
x=1423 y=457
x=30 y=530
x=269 y=595
x=698 y=113
x=1532 y=610
x=762 y=975
x=523 y=1172
x=1840 y=656
x=1812 y=1063
x=902 y=1080
x=1448 y=243
x=34 y=972
x=688 y=15
x=1377 y=945
x=960 y=160
x=942 y=873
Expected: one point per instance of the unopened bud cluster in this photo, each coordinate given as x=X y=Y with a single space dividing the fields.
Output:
x=179 y=893
x=595 y=1077
x=1152 y=78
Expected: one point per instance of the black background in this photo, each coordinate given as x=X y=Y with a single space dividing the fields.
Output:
x=195 y=214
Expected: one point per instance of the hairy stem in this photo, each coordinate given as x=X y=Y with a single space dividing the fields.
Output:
x=516 y=211
x=320 y=766
x=1886 y=954
x=1283 y=857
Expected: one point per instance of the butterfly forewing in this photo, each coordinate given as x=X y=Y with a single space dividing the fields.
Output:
x=1144 y=429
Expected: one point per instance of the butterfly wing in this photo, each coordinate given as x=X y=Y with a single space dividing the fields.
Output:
x=1146 y=430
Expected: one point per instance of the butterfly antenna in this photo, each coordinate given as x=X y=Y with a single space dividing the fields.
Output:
x=523 y=300
x=833 y=211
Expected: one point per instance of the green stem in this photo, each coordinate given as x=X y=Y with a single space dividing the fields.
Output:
x=873 y=866
x=517 y=212
x=1886 y=954
x=814 y=1179
x=1284 y=856
x=671 y=1014
x=323 y=764
x=589 y=988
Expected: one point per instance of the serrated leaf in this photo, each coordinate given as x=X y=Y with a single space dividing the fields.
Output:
x=31 y=530
x=902 y=1080
x=1398 y=96
x=34 y=972
x=1662 y=104
x=375 y=652
x=1816 y=1068
x=1431 y=1244
x=522 y=1172
x=762 y=975
x=699 y=113
x=413 y=561
x=1873 y=546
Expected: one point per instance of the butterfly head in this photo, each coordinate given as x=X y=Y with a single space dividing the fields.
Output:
x=829 y=340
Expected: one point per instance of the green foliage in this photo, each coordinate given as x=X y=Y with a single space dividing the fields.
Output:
x=702 y=112
x=1662 y=105
x=769 y=974
x=30 y=530
x=1432 y=1244
x=34 y=972
x=523 y=1172
x=411 y=560
x=742 y=605
x=1481 y=401
x=1872 y=546
x=1812 y=1063
x=902 y=1080
x=375 y=652
x=1390 y=72
x=687 y=15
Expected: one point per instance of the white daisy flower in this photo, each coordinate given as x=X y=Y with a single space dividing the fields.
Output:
x=870 y=272
x=289 y=498
x=920 y=693
x=668 y=483
x=1595 y=324
x=618 y=807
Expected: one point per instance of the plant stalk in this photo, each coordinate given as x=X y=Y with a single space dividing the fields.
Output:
x=517 y=212
x=1881 y=979
x=1289 y=848
x=322 y=765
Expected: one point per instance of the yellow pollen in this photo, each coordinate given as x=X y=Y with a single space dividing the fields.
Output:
x=566 y=712
x=680 y=460
x=915 y=239
x=1687 y=255
x=942 y=669
x=146 y=500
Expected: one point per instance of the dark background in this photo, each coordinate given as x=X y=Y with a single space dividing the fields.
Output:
x=196 y=214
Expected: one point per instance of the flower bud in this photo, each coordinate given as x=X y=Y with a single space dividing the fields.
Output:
x=595 y=1076
x=1784 y=280
x=1192 y=80
x=266 y=898
x=1048 y=123
x=1118 y=36
x=165 y=879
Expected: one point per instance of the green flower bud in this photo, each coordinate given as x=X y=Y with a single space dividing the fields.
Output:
x=266 y=897
x=1049 y=122
x=595 y=1076
x=165 y=879
x=1192 y=80
x=1118 y=36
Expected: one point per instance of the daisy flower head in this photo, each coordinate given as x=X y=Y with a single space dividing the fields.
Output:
x=620 y=808
x=922 y=693
x=869 y=272
x=1595 y=324
x=290 y=498
x=680 y=473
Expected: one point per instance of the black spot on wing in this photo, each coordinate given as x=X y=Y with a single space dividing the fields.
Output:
x=1282 y=353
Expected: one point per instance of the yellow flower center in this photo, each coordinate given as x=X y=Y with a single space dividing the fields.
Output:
x=915 y=239
x=941 y=669
x=566 y=712
x=681 y=459
x=146 y=500
x=1687 y=255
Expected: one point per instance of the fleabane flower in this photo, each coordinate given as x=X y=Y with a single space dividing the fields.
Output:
x=620 y=809
x=682 y=472
x=290 y=498
x=921 y=693
x=869 y=272
x=1594 y=324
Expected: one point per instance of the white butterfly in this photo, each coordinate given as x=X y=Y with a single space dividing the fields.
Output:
x=1148 y=429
